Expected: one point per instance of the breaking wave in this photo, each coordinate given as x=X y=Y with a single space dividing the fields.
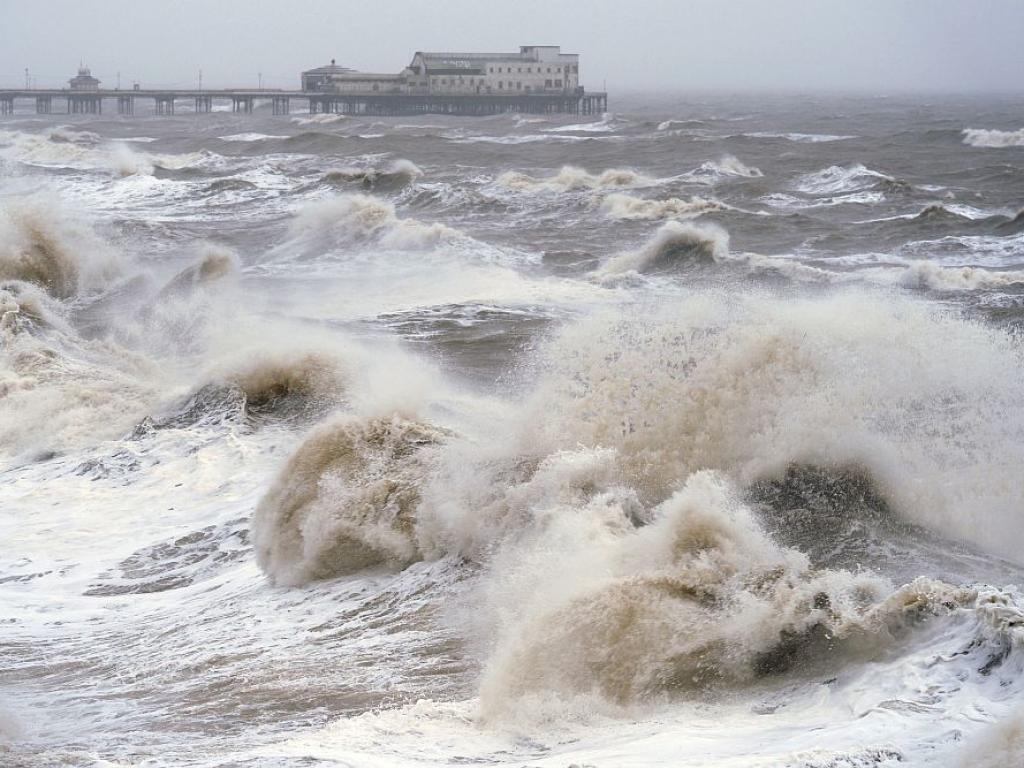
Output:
x=608 y=123
x=570 y=178
x=981 y=137
x=621 y=563
x=357 y=218
x=925 y=274
x=59 y=391
x=619 y=206
x=215 y=263
x=66 y=148
x=62 y=147
x=724 y=168
x=41 y=244
x=951 y=213
x=837 y=179
x=674 y=244
x=319 y=119
x=748 y=386
x=24 y=306
x=397 y=175
x=697 y=599
x=294 y=380
x=345 y=501
x=667 y=125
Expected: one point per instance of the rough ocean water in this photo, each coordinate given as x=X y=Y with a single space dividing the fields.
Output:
x=687 y=435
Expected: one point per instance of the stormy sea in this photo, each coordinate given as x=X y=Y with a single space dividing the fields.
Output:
x=690 y=434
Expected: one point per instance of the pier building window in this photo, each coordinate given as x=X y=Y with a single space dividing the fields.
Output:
x=558 y=83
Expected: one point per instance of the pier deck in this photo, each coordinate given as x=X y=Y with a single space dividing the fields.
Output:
x=369 y=103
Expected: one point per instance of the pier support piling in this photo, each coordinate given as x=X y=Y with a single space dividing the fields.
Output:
x=85 y=104
x=164 y=105
x=320 y=102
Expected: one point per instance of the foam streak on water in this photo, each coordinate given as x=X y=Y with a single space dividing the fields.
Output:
x=686 y=436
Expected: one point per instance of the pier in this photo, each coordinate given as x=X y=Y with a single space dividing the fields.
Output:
x=67 y=101
x=536 y=79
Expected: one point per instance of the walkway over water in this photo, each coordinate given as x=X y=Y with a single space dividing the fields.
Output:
x=91 y=102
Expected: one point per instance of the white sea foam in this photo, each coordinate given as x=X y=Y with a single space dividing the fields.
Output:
x=245 y=137
x=982 y=137
x=517 y=139
x=608 y=123
x=838 y=179
x=793 y=203
x=998 y=746
x=800 y=138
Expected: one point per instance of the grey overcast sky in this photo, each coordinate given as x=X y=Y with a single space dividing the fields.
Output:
x=873 y=45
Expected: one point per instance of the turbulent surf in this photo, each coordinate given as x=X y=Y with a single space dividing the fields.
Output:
x=691 y=436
